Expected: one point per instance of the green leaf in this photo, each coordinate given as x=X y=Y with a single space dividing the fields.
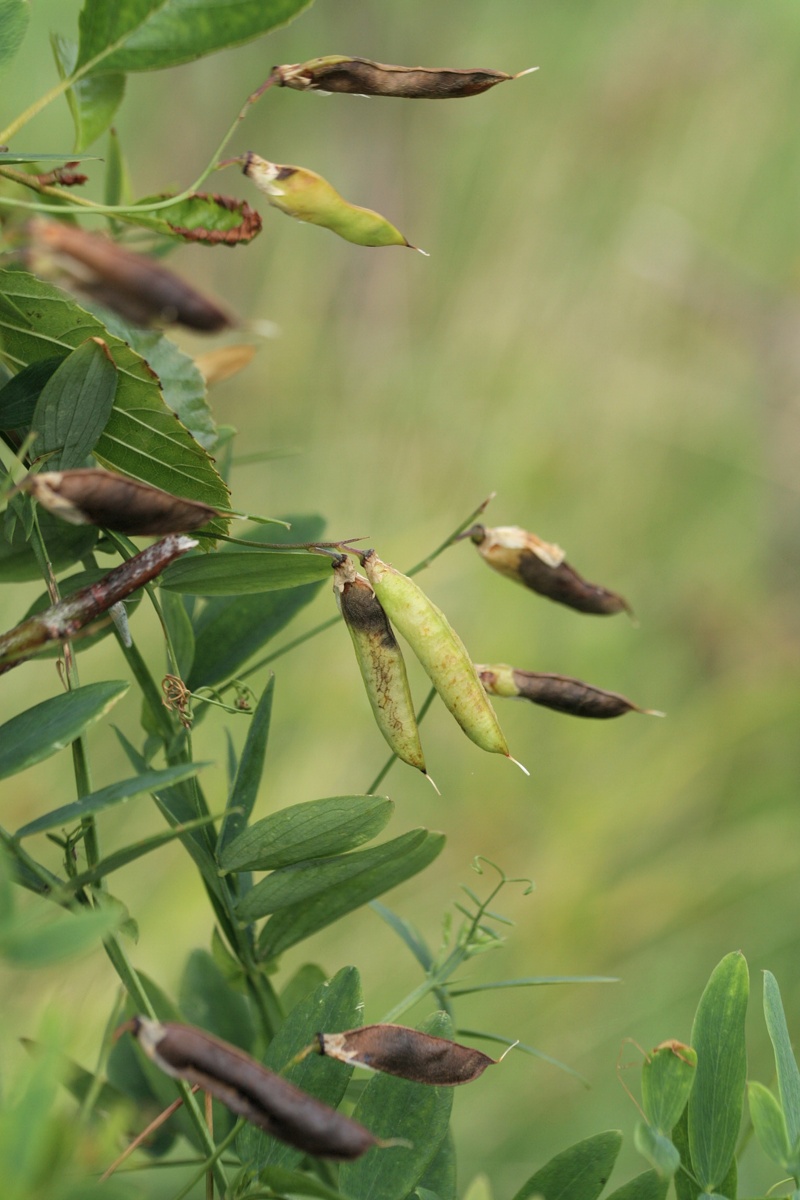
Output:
x=179 y=626
x=439 y=1177
x=248 y=776
x=578 y=1173
x=146 y=35
x=13 y=23
x=10 y=158
x=107 y=797
x=210 y=219
x=230 y=630
x=333 y=1006
x=314 y=829
x=29 y=941
x=93 y=100
x=785 y=1062
x=129 y=854
x=75 y=405
x=284 y=1182
x=18 y=397
x=405 y=857
x=52 y=725
x=66 y=544
x=647 y=1186
x=302 y=984
x=407 y=933
x=532 y=981
x=667 y=1077
x=769 y=1124
x=208 y=1000
x=238 y=572
x=396 y=1108
x=657 y=1148
x=715 y=1105
x=142 y=439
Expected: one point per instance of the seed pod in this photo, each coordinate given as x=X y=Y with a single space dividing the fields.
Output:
x=440 y=650
x=558 y=692
x=251 y=1091
x=306 y=196
x=90 y=496
x=134 y=285
x=542 y=567
x=396 y=1050
x=338 y=73
x=380 y=661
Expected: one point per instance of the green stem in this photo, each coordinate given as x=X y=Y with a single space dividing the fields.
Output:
x=51 y=884
x=211 y=1162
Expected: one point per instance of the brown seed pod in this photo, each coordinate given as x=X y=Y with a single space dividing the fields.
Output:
x=134 y=285
x=339 y=73
x=91 y=496
x=541 y=566
x=396 y=1050
x=250 y=1090
x=558 y=692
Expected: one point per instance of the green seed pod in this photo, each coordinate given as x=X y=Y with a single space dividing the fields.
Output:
x=380 y=661
x=540 y=566
x=338 y=73
x=250 y=1090
x=306 y=196
x=558 y=692
x=440 y=650
x=407 y=1053
x=91 y=496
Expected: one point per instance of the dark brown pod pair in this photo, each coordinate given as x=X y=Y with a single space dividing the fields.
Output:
x=133 y=285
x=541 y=566
x=91 y=496
x=407 y=1053
x=558 y=692
x=362 y=76
x=250 y=1090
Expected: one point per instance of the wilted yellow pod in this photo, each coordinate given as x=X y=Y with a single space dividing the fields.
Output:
x=440 y=650
x=306 y=196
x=380 y=661
x=341 y=73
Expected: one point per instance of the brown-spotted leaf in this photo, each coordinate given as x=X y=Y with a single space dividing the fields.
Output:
x=202 y=217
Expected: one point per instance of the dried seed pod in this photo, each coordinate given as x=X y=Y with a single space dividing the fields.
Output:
x=396 y=1050
x=440 y=650
x=380 y=661
x=134 y=285
x=339 y=73
x=558 y=692
x=225 y=361
x=306 y=196
x=542 y=567
x=91 y=496
x=250 y=1090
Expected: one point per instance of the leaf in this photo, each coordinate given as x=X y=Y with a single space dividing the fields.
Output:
x=229 y=630
x=397 y=1108
x=647 y=1186
x=107 y=797
x=176 y=619
x=657 y=1148
x=439 y=1177
x=143 y=438
x=248 y=775
x=532 y=981
x=282 y=1181
x=66 y=544
x=208 y=1000
x=314 y=829
x=13 y=24
x=18 y=397
x=340 y=1002
x=785 y=1062
x=10 y=158
x=407 y=933
x=75 y=405
x=32 y=942
x=146 y=35
x=129 y=854
x=205 y=217
x=406 y=857
x=667 y=1077
x=40 y=731
x=302 y=984
x=238 y=572
x=769 y=1124
x=715 y=1105
x=93 y=100
x=577 y=1173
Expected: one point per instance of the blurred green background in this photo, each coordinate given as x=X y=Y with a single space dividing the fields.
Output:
x=606 y=335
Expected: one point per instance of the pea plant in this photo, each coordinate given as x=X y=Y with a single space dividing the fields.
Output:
x=107 y=436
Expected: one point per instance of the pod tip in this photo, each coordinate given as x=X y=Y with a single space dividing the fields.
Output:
x=419 y=250
x=516 y=763
x=652 y=712
x=527 y=71
x=432 y=782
